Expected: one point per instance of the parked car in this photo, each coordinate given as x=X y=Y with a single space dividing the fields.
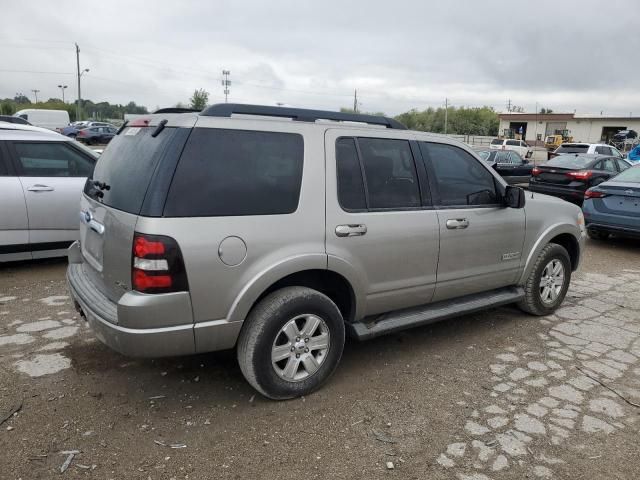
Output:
x=11 y=119
x=54 y=120
x=509 y=165
x=204 y=232
x=73 y=128
x=569 y=176
x=613 y=207
x=523 y=149
x=96 y=135
x=42 y=174
x=586 y=148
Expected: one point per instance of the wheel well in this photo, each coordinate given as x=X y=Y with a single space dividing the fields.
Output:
x=570 y=244
x=332 y=284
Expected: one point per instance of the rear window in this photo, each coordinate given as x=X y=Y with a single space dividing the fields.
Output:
x=631 y=175
x=496 y=141
x=569 y=161
x=572 y=149
x=514 y=143
x=237 y=172
x=128 y=165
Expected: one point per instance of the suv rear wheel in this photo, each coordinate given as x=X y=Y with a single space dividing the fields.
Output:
x=548 y=282
x=291 y=342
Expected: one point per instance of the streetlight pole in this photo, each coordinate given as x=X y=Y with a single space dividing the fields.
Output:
x=446 y=114
x=62 y=88
x=80 y=73
x=35 y=92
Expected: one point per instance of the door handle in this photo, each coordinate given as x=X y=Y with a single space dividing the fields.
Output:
x=40 y=188
x=351 y=230
x=457 y=223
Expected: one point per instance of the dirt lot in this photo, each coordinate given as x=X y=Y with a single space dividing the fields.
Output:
x=492 y=395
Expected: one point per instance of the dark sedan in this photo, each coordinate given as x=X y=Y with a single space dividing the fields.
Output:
x=509 y=164
x=96 y=135
x=569 y=176
x=614 y=206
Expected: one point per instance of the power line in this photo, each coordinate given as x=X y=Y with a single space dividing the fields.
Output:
x=36 y=72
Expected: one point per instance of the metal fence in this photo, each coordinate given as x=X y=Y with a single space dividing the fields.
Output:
x=476 y=140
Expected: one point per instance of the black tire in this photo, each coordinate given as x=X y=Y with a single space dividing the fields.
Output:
x=263 y=326
x=532 y=302
x=598 y=235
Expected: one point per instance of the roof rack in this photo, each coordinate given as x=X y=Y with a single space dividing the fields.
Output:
x=298 y=114
x=176 y=110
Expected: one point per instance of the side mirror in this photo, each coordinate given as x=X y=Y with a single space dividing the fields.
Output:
x=514 y=197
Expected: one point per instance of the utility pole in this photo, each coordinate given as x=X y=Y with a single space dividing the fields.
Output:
x=355 y=101
x=446 y=114
x=508 y=105
x=62 y=89
x=226 y=83
x=79 y=94
x=35 y=92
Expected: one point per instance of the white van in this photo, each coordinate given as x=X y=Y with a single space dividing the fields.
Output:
x=51 y=119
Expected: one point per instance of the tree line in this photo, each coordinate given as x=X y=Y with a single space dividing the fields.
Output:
x=90 y=109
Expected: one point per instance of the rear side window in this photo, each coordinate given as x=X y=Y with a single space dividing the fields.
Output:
x=51 y=160
x=350 y=185
x=128 y=165
x=237 y=172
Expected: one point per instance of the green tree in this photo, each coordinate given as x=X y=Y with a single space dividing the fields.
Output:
x=545 y=110
x=460 y=120
x=199 y=99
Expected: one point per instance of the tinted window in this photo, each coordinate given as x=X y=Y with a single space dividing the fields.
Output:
x=514 y=143
x=51 y=160
x=3 y=166
x=603 y=150
x=486 y=155
x=390 y=173
x=461 y=179
x=237 y=172
x=128 y=165
x=350 y=185
x=572 y=149
x=569 y=161
x=496 y=141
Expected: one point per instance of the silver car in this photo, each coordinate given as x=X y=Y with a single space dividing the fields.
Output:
x=278 y=231
x=42 y=174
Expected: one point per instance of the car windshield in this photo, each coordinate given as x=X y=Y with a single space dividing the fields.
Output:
x=496 y=141
x=485 y=155
x=572 y=149
x=631 y=175
x=569 y=161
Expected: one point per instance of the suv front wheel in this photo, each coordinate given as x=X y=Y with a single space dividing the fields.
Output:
x=291 y=342
x=548 y=282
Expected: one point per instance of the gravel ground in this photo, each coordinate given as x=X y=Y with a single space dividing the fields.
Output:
x=493 y=395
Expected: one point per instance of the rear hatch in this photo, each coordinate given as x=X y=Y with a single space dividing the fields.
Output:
x=560 y=170
x=131 y=178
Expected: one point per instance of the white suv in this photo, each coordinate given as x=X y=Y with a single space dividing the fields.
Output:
x=519 y=146
x=587 y=148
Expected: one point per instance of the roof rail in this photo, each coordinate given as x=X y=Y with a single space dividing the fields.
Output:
x=298 y=114
x=176 y=110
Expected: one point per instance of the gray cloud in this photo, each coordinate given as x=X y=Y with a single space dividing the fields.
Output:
x=399 y=55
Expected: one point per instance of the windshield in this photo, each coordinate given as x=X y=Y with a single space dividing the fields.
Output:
x=569 y=161
x=496 y=141
x=485 y=155
x=632 y=175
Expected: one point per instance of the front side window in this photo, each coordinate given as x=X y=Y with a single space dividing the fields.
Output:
x=461 y=179
x=237 y=172
x=51 y=160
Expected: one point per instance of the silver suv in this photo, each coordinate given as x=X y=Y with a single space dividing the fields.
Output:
x=275 y=231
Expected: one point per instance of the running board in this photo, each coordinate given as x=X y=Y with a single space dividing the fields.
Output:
x=377 y=325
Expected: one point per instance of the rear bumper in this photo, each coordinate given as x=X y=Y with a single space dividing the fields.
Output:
x=614 y=229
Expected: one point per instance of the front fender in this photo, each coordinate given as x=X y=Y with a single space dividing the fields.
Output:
x=542 y=241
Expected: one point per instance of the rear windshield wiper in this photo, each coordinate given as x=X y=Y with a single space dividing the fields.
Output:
x=159 y=128
x=122 y=127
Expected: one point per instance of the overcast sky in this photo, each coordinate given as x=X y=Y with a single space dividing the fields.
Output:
x=574 y=54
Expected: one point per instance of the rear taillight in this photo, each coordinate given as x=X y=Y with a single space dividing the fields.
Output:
x=139 y=122
x=580 y=175
x=157 y=265
x=81 y=133
x=535 y=171
x=591 y=193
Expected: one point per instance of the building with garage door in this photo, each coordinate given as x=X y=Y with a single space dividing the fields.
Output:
x=583 y=128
